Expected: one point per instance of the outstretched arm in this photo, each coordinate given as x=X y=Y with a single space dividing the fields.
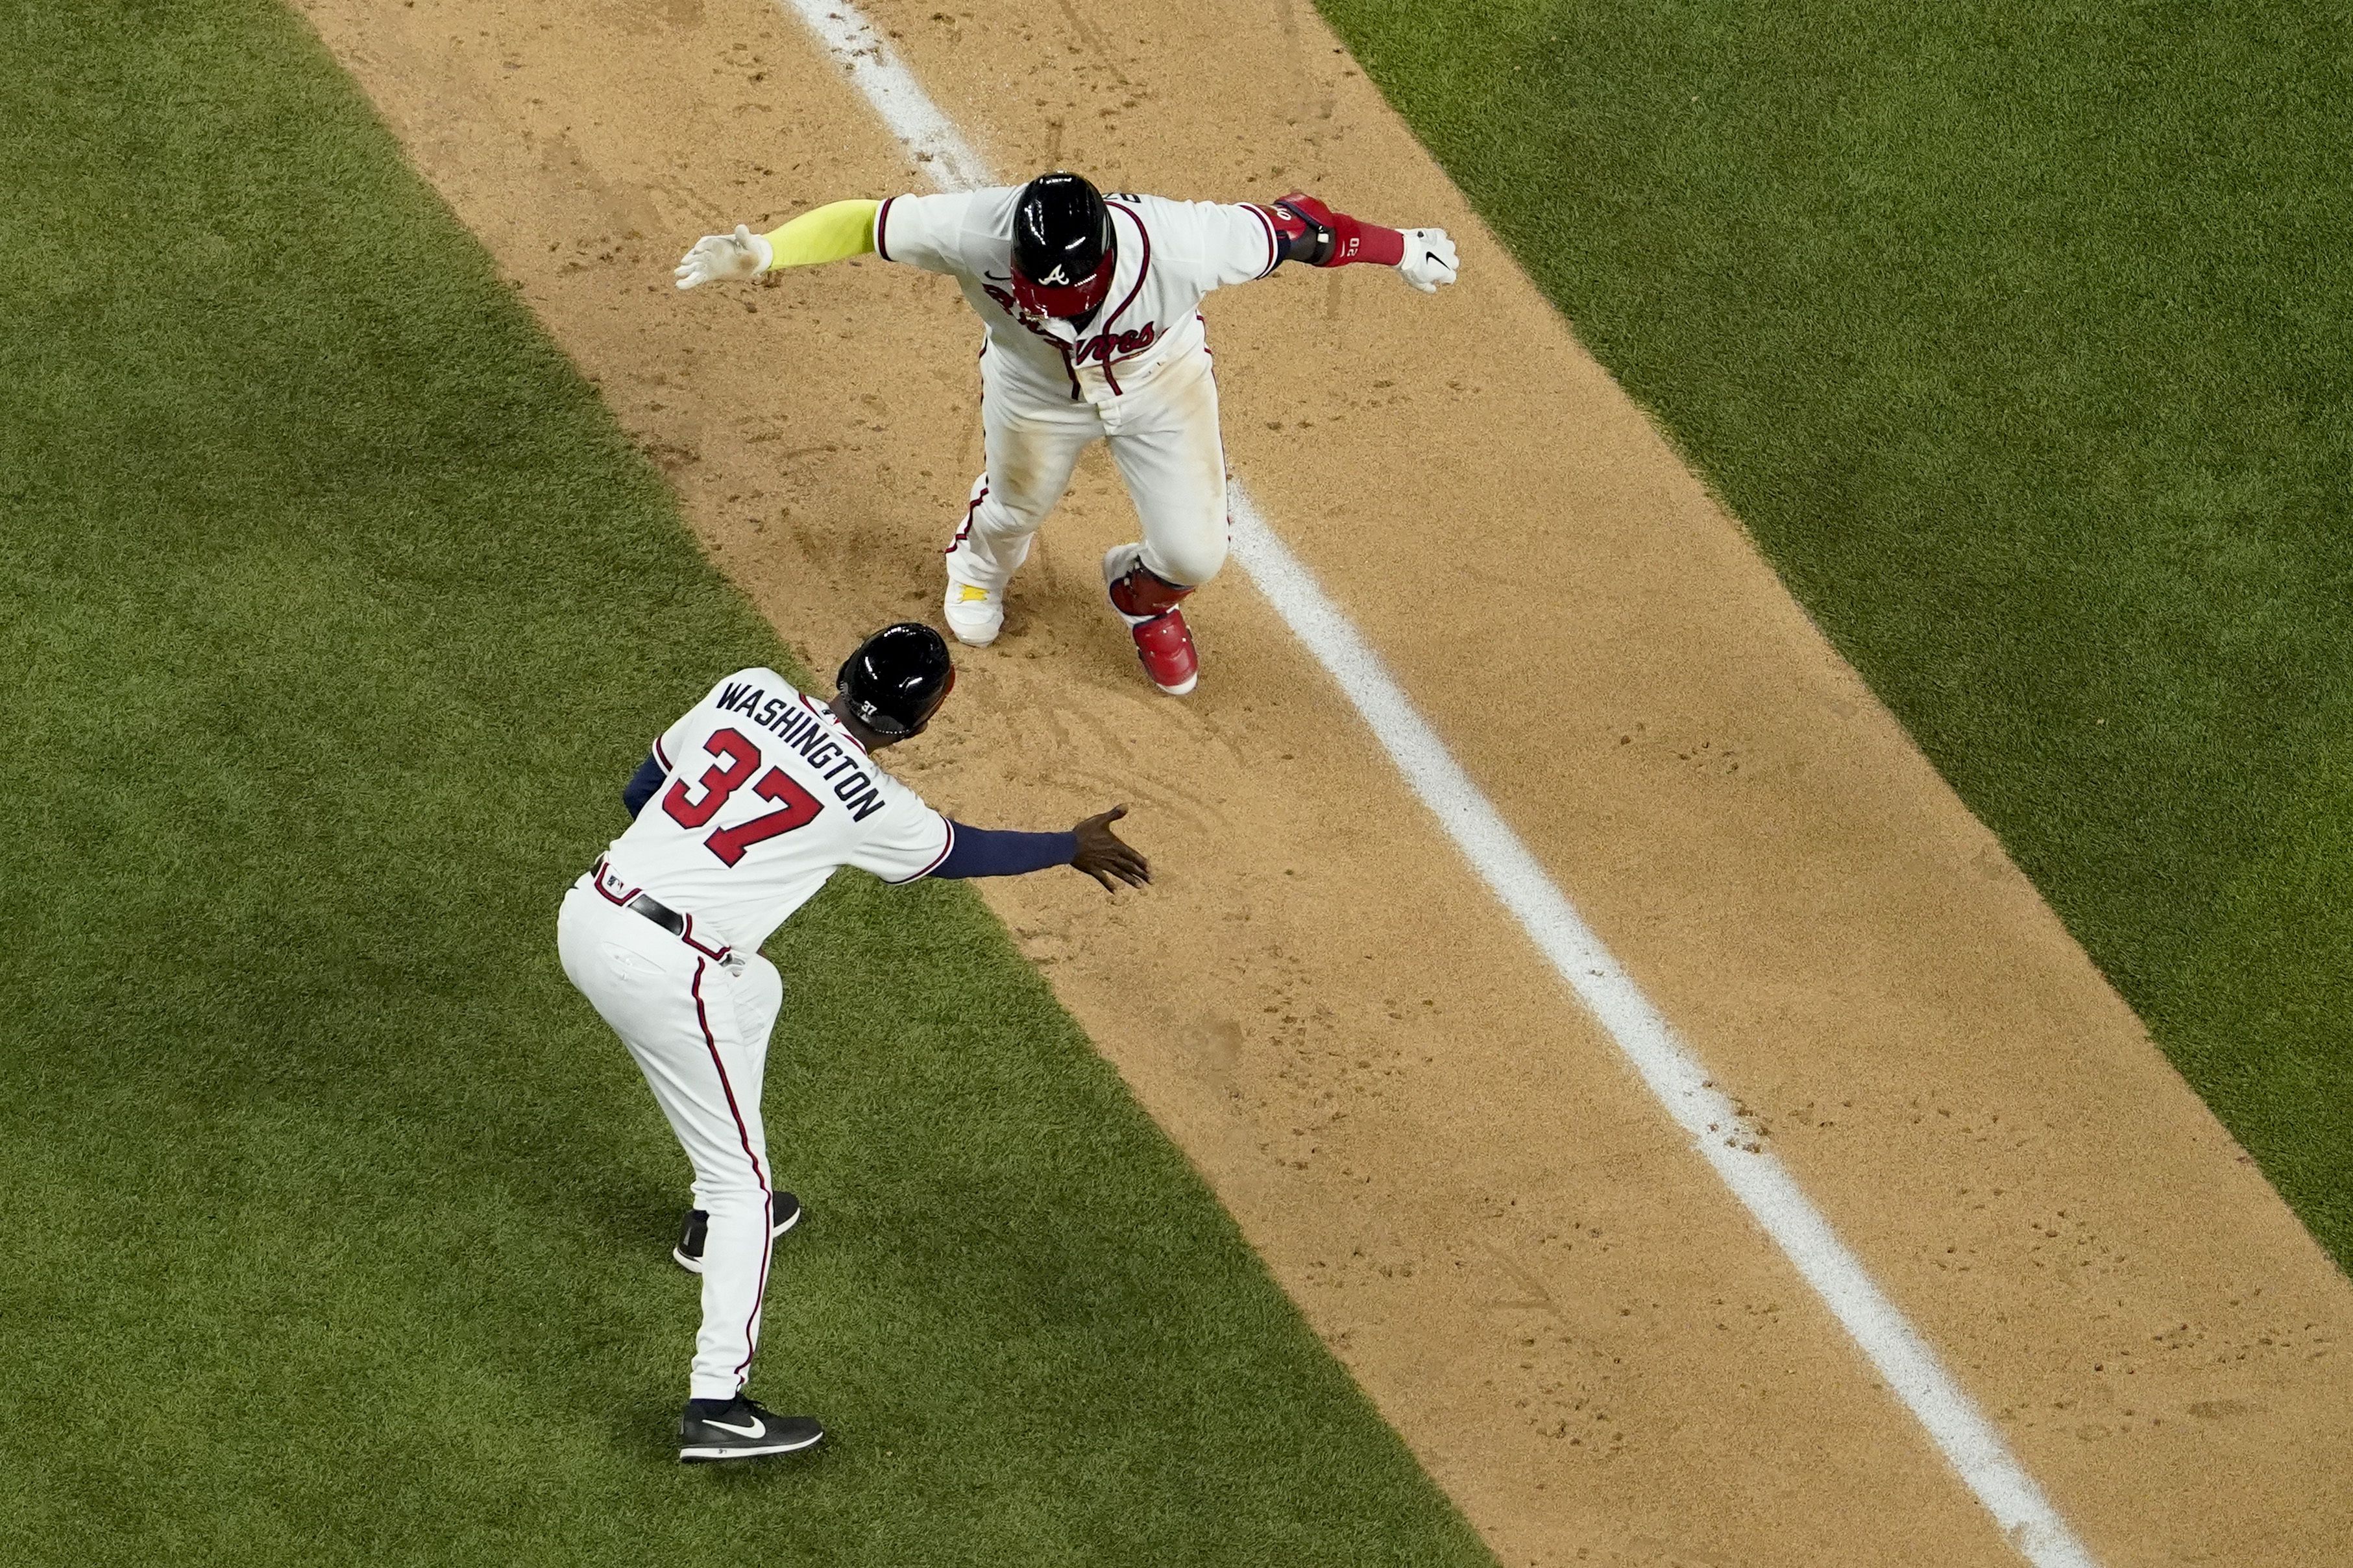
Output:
x=1307 y=230
x=829 y=232
x=1091 y=847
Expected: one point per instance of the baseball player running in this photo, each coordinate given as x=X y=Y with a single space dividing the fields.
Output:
x=745 y=807
x=1090 y=303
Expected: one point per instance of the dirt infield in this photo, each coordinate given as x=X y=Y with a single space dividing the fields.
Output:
x=1441 y=1158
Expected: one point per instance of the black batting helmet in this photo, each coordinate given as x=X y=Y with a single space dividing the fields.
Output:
x=897 y=679
x=1062 y=246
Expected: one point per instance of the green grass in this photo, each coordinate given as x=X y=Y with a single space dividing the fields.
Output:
x=333 y=1225
x=2022 y=337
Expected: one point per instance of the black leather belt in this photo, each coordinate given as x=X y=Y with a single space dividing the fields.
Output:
x=611 y=888
x=662 y=914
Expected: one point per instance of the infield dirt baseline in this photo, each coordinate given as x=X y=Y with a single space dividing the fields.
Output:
x=1710 y=1117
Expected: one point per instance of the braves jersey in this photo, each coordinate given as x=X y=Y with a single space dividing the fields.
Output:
x=1170 y=254
x=764 y=796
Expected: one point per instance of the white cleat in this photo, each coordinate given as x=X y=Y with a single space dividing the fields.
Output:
x=974 y=614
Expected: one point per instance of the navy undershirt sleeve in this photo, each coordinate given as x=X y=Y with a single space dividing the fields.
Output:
x=642 y=784
x=987 y=852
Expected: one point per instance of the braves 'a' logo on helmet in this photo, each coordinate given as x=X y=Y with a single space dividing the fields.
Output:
x=1063 y=246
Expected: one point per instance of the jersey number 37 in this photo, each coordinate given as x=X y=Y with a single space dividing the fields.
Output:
x=798 y=808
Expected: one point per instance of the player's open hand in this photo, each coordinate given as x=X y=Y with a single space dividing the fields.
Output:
x=1428 y=260
x=1104 y=857
x=725 y=257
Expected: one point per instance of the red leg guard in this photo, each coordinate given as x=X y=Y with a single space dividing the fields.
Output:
x=1143 y=592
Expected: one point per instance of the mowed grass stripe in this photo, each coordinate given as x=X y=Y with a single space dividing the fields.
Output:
x=334 y=1227
x=2019 y=335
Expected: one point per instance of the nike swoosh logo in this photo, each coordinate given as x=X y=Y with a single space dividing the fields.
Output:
x=758 y=1428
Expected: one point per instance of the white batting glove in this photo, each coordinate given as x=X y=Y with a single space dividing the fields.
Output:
x=728 y=257
x=1428 y=260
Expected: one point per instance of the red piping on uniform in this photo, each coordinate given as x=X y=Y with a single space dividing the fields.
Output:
x=1274 y=242
x=687 y=936
x=965 y=532
x=766 y=1200
x=882 y=216
x=597 y=880
x=1143 y=266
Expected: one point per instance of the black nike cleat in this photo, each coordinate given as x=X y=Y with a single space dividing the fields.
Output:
x=783 y=1213
x=740 y=1429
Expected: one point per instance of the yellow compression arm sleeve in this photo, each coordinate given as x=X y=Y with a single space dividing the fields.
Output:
x=829 y=232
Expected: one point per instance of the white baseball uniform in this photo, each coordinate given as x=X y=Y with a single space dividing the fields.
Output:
x=765 y=796
x=1136 y=375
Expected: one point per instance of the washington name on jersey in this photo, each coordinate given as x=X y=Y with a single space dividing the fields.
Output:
x=836 y=761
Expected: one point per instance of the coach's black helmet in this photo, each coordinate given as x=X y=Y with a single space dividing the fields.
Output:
x=897 y=680
x=1062 y=246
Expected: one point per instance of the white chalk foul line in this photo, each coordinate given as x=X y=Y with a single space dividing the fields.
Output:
x=874 y=68
x=1706 y=1114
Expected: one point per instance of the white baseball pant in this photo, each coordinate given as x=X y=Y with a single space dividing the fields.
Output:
x=1164 y=439
x=699 y=1029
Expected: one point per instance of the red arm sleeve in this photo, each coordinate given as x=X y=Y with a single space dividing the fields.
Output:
x=1309 y=231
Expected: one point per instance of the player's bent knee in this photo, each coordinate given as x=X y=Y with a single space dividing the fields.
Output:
x=1189 y=564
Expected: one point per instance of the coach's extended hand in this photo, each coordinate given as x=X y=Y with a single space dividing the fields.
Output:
x=1102 y=855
